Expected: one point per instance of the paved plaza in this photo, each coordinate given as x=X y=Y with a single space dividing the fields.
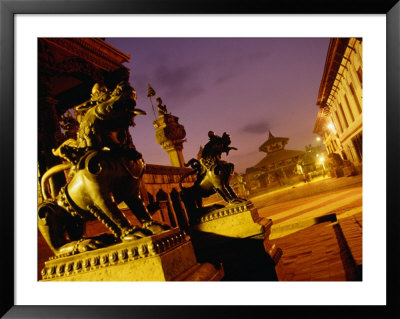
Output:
x=318 y=226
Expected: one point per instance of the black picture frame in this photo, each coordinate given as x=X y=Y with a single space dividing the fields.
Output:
x=8 y=10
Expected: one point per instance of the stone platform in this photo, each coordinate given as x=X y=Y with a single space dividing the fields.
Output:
x=235 y=220
x=168 y=256
x=237 y=237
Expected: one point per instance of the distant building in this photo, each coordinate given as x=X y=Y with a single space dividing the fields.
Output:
x=277 y=168
x=309 y=161
x=339 y=119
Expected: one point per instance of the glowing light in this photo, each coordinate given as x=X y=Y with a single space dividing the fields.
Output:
x=331 y=126
x=318 y=138
x=322 y=160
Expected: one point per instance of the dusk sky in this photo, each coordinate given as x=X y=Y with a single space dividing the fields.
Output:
x=242 y=86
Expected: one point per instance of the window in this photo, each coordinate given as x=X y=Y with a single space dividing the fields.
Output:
x=344 y=117
x=359 y=74
x=349 y=108
x=357 y=142
x=338 y=120
x=355 y=98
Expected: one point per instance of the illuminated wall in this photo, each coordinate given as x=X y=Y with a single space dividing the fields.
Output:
x=339 y=119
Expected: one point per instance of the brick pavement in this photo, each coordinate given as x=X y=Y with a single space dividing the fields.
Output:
x=352 y=231
x=315 y=249
x=310 y=255
x=328 y=251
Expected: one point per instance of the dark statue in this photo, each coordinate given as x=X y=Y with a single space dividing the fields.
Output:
x=213 y=175
x=162 y=109
x=104 y=170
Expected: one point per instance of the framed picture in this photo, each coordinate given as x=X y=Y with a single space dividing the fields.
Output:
x=23 y=23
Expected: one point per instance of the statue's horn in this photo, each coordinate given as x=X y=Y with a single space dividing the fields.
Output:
x=139 y=111
x=83 y=106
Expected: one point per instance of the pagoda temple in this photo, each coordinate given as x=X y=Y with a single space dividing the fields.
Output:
x=277 y=168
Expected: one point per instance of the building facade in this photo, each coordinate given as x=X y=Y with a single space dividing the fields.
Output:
x=339 y=119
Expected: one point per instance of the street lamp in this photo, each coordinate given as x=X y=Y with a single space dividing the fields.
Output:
x=318 y=139
x=331 y=127
x=322 y=160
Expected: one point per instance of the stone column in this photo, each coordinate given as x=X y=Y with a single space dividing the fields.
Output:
x=170 y=135
x=174 y=150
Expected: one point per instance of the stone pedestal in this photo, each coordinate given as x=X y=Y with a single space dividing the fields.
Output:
x=168 y=256
x=235 y=220
x=237 y=237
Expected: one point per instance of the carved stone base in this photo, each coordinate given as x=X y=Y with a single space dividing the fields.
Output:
x=235 y=220
x=167 y=256
x=237 y=237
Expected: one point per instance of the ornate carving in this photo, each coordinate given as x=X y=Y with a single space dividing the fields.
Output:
x=95 y=51
x=50 y=68
x=45 y=54
x=225 y=211
x=168 y=131
x=68 y=264
x=78 y=65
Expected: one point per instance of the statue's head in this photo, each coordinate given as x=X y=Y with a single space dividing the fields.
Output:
x=126 y=94
x=226 y=138
x=99 y=93
x=123 y=91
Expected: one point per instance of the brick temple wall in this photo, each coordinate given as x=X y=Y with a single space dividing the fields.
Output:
x=161 y=184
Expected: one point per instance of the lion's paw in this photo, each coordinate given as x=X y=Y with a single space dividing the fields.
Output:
x=135 y=233
x=155 y=227
x=89 y=244
x=79 y=246
x=237 y=200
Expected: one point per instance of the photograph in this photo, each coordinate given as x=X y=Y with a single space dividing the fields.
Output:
x=200 y=159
